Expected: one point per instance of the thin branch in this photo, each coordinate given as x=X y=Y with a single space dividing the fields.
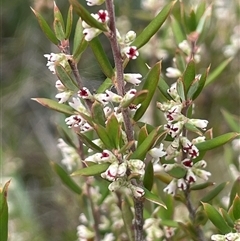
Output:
x=138 y=203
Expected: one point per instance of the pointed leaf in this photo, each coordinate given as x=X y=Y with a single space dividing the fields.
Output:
x=180 y=89
x=189 y=75
x=98 y=115
x=104 y=136
x=163 y=87
x=192 y=90
x=216 y=218
x=146 y=145
x=57 y=15
x=201 y=83
x=177 y=30
x=236 y=207
x=142 y=135
x=66 y=179
x=201 y=186
x=58 y=30
x=52 y=104
x=213 y=193
x=92 y=170
x=227 y=217
x=148 y=177
x=127 y=216
x=65 y=78
x=234 y=191
x=126 y=147
x=101 y=57
x=69 y=22
x=150 y=85
x=153 y=26
x=4 y=212
x=86 y=16
x=88 y=142
x=79 y=42
x=153 y=198
x=217 y=141
x=193 y=128
x=114 y=130
x=217 y=71
x=45 y=27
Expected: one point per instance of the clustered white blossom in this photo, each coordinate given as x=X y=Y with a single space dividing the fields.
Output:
x=180 y=145
x=226 y=237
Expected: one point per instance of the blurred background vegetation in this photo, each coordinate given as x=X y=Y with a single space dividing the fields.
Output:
x=41 y=208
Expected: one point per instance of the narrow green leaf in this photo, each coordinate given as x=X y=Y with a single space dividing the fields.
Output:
x=216 y=218
x=92 y=170
x=200 y=10
x=65 y=78
x=150 y=85
x=127 y=216
x=153 y=198
x=101 y=57
x=104 y=136
x=52 y=104
x=163 y=87
x=169 y=223
x=107 y=83
x=126 y=147
x=163 y=177
x=180 y=89
x=177 y=30
x=138 y=98
x=58 y=16
x=114 y=130
x=86 y=16
x=201 y=83
x=193 y=128
x=189 y=75
x=213 y=193
x=4 y=212
x=201 y=186
x=192 y=22
x=153 y=26
x=146 y=145
x=177 y=172
x=234 y=191
x=58 y=30
x=88 y=142
x=148 y=177
x=66 y=179
x=45 y=27
x=69 y=22
x=217 y=141
x=79 y=42
x=227 y=217
x=236 y=207
x=232 y=120
x=98 y=115
x=217 y=71
x=192 y=90
x=142 y=135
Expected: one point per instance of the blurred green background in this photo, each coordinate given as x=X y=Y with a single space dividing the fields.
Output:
x=41 y=208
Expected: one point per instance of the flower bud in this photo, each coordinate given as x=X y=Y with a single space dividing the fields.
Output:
x=173 y=72
x=130 y=36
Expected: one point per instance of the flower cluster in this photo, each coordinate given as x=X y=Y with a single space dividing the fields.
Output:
x=226 y=237
x=181 y=145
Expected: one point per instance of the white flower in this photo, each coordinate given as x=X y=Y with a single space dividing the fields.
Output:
x=59 y=85
x=171 y=187
x=173 y=72
x=74 y=121
x=131 y=52
x=174 y=129
x=78 y=106
x=102 y=98
x=226 y=237
x=201 y=173
x=185 y=47
x=198 y=123
x=63 y=96
x=114 y=171
x=181 y=184
x=157 y=152
x=91 y=33
x=137 y=191
x=116 y=184
x=136 y=166
x=128 y=96
x=198 y=140
x=85 y=93
x=109 y=237
x=94 y=2
x=102 y=16
x=130 y=36
x=133 y=78
x=172 y=91
x=174 y=113
x=84 y=232
x=190 y=177
x=189 y=148
x=110 y=96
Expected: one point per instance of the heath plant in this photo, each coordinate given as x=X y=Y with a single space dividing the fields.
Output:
x=134 y=150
